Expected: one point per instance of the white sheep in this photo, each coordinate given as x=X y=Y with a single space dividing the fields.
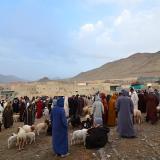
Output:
x=12 y=140
x=15 y=117
x=42 y=127
x=79 y=136
x=31 y=137
x=29 y=128
x=87 y=110
x=21 y=138
x=137 y=116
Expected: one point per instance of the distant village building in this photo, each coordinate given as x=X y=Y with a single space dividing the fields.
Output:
x=6 y=93
x=114 y=88
x=118 y=89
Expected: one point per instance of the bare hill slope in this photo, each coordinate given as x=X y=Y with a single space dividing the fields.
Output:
x=139 y=64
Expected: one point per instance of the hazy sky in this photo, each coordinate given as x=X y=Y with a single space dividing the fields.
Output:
x=61 y=38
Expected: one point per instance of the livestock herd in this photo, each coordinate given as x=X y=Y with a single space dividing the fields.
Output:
x=27 y=135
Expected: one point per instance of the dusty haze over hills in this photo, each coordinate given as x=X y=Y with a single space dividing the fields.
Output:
x=139 y=64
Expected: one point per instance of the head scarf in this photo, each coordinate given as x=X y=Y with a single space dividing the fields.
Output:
x=102 y=95
x=97 y=98
x=125 y=92
x=60 y=102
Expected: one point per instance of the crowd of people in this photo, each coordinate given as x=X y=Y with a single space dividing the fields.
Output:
x=106 y=110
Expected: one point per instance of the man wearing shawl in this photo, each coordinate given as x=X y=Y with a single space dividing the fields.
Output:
x=151 y=106
x=98 y=111
x=105 y=105
x=22 y=108
x=15 y=105
x=28 y=115
x=134 y=98
x=142 y=101
x=59 y=129
x=125 y=115
x=8 y=116
x=66 y=108
x=112 y=110
x=39 y=108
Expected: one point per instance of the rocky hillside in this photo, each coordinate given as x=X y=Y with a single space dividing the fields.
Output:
x=139 y=64
x=44 y=79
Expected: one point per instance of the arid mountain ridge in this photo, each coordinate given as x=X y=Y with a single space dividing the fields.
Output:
x=136 y=65
x=10 y=78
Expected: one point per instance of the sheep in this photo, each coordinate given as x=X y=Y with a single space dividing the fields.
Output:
x=15 y=117
x=42 y=127
x=21 y=138
x=78 y=136
x=137 y=116
x=31 y=136
x=87 y=110
x=29 y=128
x=12 y=140
x=86 y=122
x=158 y=110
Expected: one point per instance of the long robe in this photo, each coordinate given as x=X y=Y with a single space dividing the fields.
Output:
x=142 y=103
x=7 y=117
x=29 y=116
x=71 y=106
x=76 y=103
x=59 y=128
x=98 y=111
x=134 y=98
x=80 y=106
x=39 y=108
x=108 y=98
x=152 y=103
x=66 y=108
x=49 y=105
x=125 y=115
x=22 y=108
x=15 y=106
x=105 y=105
x=112 y=111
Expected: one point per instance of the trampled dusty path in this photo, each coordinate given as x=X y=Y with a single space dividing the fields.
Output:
x=145 y=147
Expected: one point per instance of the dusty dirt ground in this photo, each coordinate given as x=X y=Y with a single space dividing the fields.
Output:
x=145 y=147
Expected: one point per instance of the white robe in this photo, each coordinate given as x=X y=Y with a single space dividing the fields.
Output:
x=46 y=113
x=1 y=109
x=134 y=98
x=66 y=108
